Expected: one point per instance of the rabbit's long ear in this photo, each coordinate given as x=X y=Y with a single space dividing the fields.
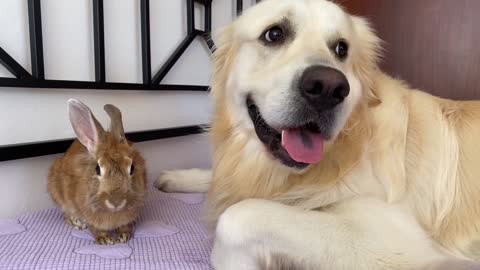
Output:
x=88 y=129
x=116 y=124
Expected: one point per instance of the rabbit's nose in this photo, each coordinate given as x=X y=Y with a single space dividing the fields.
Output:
x=115 y=204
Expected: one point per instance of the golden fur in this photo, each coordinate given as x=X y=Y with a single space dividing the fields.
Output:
x=400 y=145
x=424 y=148
x=280 y=262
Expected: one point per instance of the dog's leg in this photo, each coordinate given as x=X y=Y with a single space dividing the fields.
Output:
x=359 y=234
x=192 y=180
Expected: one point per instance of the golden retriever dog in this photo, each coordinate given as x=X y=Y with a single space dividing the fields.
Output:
x=322 y=161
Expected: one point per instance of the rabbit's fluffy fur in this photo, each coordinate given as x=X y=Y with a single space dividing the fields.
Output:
x=100 y=181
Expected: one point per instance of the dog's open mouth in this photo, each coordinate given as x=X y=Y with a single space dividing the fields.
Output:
x=294 y=146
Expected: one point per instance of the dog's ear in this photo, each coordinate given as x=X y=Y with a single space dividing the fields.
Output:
x=368 y=53
x=222 y=58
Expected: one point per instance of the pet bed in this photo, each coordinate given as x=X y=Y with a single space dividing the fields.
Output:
x=169 y=235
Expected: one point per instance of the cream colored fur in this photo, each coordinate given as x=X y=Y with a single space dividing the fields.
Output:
x=398 y=188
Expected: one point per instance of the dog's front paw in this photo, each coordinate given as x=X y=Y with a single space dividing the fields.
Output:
x=229 y=255
x=240 y=222
x=166 y=181
x=185 y=181
x=454 y=264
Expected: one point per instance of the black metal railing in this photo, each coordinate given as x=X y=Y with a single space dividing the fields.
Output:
x=240 y=6
x=150 y=81
x=27 y=150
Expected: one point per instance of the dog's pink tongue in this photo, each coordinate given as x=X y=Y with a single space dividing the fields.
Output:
x=303 y=145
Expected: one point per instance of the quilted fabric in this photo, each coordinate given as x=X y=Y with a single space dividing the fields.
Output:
x=169 y=235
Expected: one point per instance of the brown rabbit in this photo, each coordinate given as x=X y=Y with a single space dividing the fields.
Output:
x=100 y=181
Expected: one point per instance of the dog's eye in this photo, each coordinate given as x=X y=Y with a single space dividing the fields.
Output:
x=341 y=49
x=274 y=35
x=98 y=170
x=132 y=169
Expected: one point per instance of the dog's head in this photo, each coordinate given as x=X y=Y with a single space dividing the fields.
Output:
x=294 y=71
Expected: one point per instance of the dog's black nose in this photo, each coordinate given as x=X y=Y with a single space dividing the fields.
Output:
x=324 y=87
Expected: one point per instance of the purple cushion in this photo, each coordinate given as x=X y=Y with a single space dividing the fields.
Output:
x=169 y=235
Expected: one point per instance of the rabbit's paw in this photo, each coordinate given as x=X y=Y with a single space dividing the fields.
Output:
x=104 y=238
x=124 y=237
x=124 y=234
x=76 y=222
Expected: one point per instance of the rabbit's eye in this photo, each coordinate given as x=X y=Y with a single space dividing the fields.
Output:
x=132 y=169
x=98 y=170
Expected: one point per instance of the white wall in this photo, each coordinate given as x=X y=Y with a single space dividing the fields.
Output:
x=40 y=114
x=29 y=115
